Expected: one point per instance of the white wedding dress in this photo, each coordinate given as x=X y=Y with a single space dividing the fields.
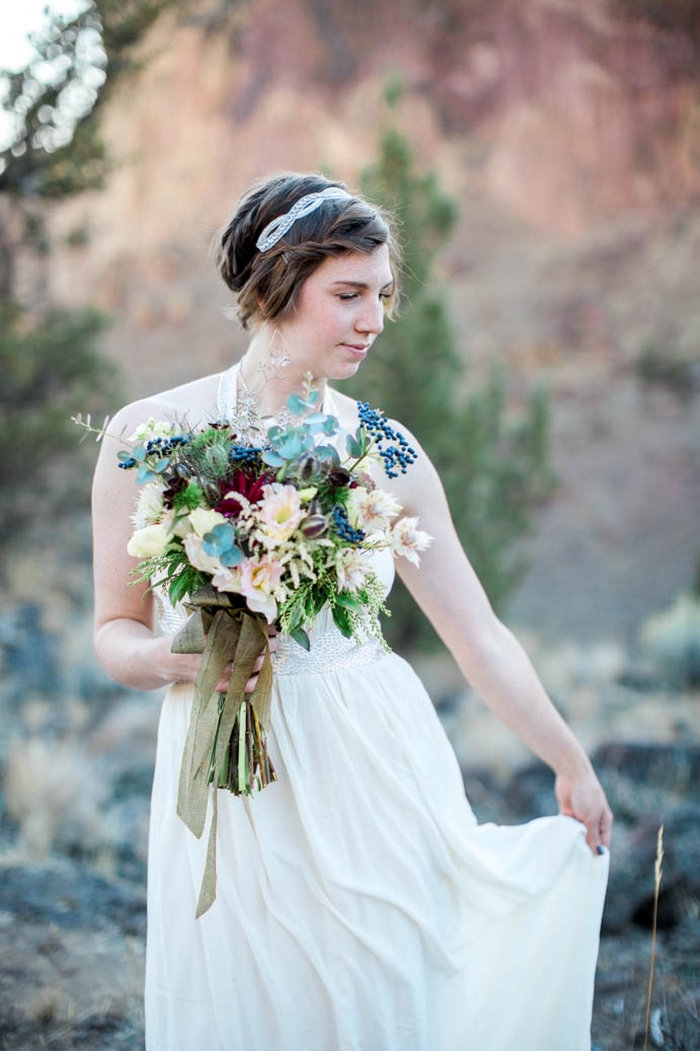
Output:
x=359 y=906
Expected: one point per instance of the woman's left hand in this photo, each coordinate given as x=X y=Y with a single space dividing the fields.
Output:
x=584 y=799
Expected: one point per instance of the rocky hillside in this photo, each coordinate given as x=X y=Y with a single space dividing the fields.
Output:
x=570 y=135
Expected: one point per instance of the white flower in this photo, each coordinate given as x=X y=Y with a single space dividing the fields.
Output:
x=150 y=505
x=227 y=579
x=203 y=520
x=371 y=510
x=154 y=428
x=198 y=557
x=407 y=540
x=149 y=541
x=351 y=569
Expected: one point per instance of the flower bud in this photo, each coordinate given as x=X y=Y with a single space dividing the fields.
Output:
x=339 y=476
x=314 y=527
x=308 y=467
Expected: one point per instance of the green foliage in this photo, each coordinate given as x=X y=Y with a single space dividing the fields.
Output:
x=50 y=368
x=669 y=370
x=493 y=463
x=672 y=640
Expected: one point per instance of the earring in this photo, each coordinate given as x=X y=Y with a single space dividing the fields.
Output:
x=279 y=356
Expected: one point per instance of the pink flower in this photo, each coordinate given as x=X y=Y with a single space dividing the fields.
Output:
x=258 y=580
x=407 y=540
x=279 y=513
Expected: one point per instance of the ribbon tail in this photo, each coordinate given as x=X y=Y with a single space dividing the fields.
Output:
x=207 y=890
x=202 y=732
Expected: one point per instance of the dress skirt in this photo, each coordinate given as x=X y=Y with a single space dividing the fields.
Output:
x=359 y=906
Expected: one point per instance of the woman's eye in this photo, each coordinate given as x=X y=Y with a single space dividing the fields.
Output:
x=348 y=295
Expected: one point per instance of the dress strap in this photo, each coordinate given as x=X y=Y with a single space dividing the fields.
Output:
x=227 y=397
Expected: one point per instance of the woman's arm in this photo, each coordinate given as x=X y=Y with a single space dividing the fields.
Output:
x=125 y=642
x=450 y=594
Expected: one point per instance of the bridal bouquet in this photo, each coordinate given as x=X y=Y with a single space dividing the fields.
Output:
x=257 y=528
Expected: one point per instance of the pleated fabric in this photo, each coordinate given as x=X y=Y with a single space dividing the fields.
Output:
x=360 y=907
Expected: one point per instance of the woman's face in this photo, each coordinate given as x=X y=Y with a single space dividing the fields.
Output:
x=339 y=313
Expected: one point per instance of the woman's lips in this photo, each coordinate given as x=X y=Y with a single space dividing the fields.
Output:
x=358 y=350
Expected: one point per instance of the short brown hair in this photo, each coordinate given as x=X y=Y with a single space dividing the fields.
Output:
x=267 y=284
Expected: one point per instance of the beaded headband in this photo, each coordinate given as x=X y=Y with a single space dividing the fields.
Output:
x=276 y=230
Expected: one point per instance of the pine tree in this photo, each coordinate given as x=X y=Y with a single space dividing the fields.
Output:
x=495 y=468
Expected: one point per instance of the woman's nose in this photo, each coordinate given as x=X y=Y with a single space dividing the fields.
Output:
x=371 y=318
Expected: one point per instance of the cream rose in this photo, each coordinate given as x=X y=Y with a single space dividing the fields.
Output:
x=149 y=541
x=202 y=520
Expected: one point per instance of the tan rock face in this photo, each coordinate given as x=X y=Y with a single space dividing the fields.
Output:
x=568 y=114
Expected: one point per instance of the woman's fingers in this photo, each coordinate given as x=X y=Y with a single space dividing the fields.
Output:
x=223 y=682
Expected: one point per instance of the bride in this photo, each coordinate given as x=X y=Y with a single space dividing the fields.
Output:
x=359 y=907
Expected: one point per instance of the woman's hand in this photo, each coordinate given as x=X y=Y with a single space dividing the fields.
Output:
x=584 y=799
x=273 y=642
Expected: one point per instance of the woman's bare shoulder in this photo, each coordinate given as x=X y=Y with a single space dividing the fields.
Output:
x=195 y=401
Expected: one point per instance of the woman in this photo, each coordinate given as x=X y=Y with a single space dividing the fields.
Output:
x=359 y=906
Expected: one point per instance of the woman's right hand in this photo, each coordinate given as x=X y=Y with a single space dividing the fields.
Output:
x=185 y=666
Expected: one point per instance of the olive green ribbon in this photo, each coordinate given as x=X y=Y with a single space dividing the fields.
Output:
x=221 y=633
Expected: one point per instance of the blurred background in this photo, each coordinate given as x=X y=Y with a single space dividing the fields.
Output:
x=543 y=157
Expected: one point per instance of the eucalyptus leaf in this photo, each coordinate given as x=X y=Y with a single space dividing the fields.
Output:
x=327 y=452
x=290 y=446
x=272 y=459
x=144 y=474
x=231 y=556
x=297 y=405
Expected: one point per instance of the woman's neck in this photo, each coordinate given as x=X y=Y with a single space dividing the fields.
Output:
x=270 y=374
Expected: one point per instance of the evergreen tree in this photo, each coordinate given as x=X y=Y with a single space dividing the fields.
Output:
x=49 y=359
x=50 y=369
x=495 y=468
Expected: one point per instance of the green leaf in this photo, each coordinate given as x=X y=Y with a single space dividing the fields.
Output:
x=300 y=636
x=342 y=621
x=179 y=587
x=348 y=601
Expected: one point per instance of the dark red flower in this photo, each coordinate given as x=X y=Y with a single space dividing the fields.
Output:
x=249 y=487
